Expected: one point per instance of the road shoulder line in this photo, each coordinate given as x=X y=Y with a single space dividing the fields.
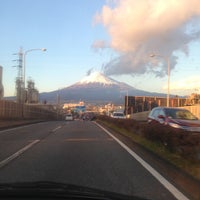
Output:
x=171 y=188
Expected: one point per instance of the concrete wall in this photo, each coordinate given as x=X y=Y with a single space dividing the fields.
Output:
x=1 y=83
x=194 y=109
x=140 y=116
x=13 y=110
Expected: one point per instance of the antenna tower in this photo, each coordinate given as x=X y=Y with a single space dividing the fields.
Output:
x=19 y=84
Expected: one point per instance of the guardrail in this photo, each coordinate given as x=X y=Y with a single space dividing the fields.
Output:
x=140 y=116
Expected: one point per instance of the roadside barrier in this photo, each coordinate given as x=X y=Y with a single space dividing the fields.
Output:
x=13 y=110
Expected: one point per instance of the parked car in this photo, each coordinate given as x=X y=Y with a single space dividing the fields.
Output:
x=174 y=117
x=69 y=117
x=119 y=115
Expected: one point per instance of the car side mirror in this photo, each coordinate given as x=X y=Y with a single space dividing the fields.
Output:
x=161 y=117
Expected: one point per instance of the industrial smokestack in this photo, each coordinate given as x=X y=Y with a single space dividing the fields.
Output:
x=1 y=84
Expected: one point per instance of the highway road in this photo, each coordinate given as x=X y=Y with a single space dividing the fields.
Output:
x=81 y=153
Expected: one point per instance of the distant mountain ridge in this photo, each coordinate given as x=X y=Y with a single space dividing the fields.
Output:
x=96 y=87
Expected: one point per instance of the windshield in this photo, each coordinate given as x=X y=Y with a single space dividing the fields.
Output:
x=180 y=114
x=78 y=79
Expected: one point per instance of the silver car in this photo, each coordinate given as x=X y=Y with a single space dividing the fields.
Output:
x=69 y=117
x=119 y=115
x=174 y=117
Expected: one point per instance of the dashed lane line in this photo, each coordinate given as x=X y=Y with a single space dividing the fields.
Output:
x=15 y=155
x=16 y=128
x=55 y=129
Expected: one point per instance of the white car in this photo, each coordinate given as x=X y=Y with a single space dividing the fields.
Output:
x=119 y=115
x=69 y=117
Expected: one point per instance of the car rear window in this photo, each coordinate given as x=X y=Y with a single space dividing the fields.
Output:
x=118 y=114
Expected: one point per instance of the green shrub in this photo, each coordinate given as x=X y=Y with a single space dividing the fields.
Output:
x=185 y=143
x=175 y=140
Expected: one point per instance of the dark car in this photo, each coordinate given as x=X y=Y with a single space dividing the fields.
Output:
x=174 y=117
x=89 y=116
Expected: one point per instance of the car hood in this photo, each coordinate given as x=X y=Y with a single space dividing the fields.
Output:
x=47 y=189
x=182 y=122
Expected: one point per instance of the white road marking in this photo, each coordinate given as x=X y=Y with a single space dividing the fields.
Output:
x=20 y=127
x=16 y=128
x=15 y=155
x=171 y=188
x=55 y=129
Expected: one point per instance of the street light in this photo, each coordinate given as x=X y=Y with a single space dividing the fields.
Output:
x=24 y=63
x=126 y=103
x=168 y=67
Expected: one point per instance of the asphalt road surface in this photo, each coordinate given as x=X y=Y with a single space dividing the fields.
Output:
x=81 y=153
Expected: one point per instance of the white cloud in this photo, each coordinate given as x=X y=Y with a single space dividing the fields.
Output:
x=99 y=44
x=140 y=27
x=185 y=85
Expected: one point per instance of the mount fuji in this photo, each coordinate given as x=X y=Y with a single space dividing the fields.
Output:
x=95 y=88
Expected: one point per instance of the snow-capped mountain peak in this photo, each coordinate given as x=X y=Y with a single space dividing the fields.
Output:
x=96 y=87
x=97 y=77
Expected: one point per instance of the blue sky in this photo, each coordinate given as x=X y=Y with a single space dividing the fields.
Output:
x=68 y=29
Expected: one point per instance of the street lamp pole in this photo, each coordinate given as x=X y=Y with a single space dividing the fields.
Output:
x=126 y=103
x=168 y=82
x=168 y=73
x=24 y=64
